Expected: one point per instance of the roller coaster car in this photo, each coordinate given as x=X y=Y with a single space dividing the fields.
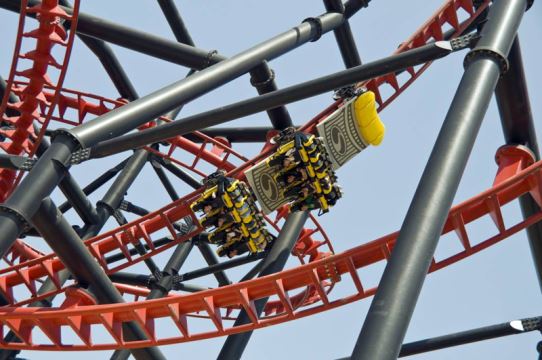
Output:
x=230 y=213
x=304 y=172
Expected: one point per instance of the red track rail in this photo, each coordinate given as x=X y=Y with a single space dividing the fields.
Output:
x=22 y=137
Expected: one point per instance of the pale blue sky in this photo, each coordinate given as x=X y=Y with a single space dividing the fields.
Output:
x=494 y=286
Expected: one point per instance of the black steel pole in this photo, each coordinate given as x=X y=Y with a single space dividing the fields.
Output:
x=225 y=265
x=283 y=96
x=133 y=39
x=164 y=179
x=466 y=337
x=353 y=6
x=211 y=259
x=113 y=198
x=274 y=262
x=109 y=62
x=235 y=134
x=73 y=253
x=175 y=22
x=344 y=37
x=392 y=307
x=178 y=172
x=78 y=199
x=513 y=327
x=518 y=127
x=120 y=256
x=97 y=183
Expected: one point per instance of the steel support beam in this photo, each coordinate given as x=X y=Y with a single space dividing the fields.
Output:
x=164 y=179
x=13 y=162
x=175 y=21
x=114 y=196
x=343 y=35
x=70 y=249
x=466 y=337
x=250 y=134
x=133 y=39
x=274 y=262
x=211 y=259
x=25 y=200
x=513 y=327
x=225 y=265
x=97 y=183
x=109 y=61
x=179 y=173
x=283 y=96
x=392 y=307
x=518 y=127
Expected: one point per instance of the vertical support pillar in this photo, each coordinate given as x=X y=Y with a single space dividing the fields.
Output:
x=392 y=307
x=235 y=344
x=344 y=37
x=518 y=127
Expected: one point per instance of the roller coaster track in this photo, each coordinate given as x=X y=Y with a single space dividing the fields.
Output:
x=513 y=180
x=314 y=278
x=50 y=32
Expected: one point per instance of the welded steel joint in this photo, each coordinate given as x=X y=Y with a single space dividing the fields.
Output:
x=56 y=160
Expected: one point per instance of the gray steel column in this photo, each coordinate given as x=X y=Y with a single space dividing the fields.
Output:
x=73 y=253
x=518 y=127
x=344 y=37
x=392 y=307
x=274 y=262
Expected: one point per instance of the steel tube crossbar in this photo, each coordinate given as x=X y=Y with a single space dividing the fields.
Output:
x=109 y=61
x=392 y=307
x=235 y=134
x=194 y=274
x=280 y=97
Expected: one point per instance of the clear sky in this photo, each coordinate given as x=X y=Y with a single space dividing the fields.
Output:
x=491 y=287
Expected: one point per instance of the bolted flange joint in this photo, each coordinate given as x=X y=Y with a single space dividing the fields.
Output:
x=18 y=215
x=315 y=23
x=487 y=53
